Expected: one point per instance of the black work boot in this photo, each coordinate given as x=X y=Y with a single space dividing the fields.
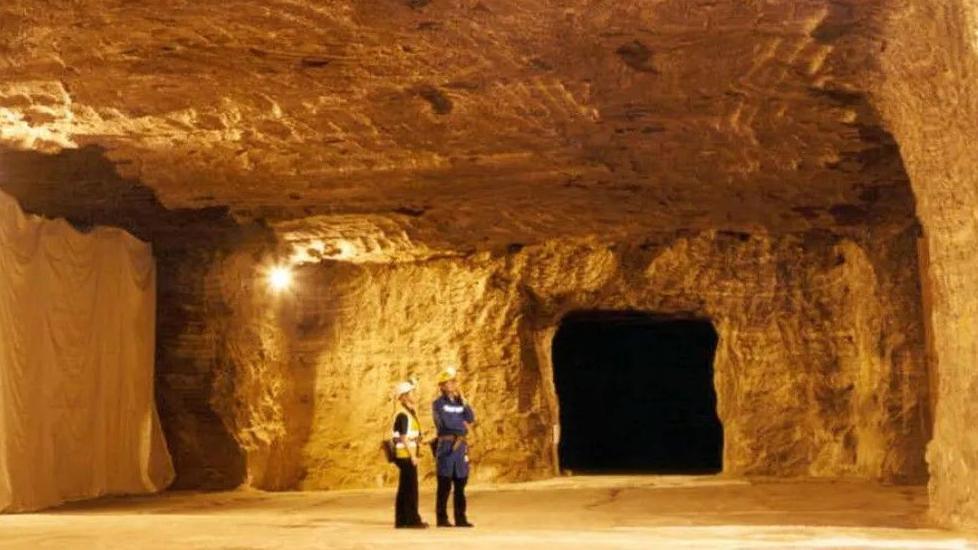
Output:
x=418 y=525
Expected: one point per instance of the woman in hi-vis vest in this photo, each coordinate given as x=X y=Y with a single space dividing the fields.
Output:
x=406 y=434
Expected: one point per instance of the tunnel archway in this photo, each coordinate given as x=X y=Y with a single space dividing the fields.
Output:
x=636 y=394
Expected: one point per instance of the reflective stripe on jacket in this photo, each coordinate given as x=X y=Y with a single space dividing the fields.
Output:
x=411 y=436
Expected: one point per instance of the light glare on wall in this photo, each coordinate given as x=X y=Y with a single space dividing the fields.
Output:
x=280 y=278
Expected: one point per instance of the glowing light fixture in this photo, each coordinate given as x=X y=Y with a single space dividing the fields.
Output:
x=280 y=278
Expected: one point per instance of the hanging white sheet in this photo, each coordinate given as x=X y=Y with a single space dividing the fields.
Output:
x=77 y=335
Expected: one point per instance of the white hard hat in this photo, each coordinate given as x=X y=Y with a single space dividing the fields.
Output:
x=403 y=387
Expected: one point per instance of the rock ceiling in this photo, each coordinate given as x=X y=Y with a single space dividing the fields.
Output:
x=465 y=120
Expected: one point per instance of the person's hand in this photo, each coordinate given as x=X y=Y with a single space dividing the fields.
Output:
x=414 y=460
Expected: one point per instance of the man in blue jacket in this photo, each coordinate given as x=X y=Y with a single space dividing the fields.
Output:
x=453 y=418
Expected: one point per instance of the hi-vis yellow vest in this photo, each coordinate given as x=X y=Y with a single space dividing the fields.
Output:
x=413 y=433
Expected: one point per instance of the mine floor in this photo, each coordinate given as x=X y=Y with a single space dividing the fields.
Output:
x=576 y=512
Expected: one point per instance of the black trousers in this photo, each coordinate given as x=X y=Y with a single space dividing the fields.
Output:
x=406 y=504
x=441 y=504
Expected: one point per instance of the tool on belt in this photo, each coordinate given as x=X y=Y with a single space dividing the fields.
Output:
x=455 y=439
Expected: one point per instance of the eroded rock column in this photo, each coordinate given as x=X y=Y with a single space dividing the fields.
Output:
x=928 y=98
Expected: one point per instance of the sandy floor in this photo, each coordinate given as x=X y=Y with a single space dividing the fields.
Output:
x=580 y=512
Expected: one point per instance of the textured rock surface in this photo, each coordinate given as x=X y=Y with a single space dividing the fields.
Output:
x=929 y=99
x=560 y=117
x=820 y=367
x=460 y=168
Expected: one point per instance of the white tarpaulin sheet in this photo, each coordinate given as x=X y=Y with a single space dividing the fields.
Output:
x=77 y=328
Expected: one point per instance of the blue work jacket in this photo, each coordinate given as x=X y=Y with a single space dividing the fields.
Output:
x=450 y=416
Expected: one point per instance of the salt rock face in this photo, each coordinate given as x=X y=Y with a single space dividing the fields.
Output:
x=819 y=371
x=459 y=142
x=928 y=98
x=565 y=118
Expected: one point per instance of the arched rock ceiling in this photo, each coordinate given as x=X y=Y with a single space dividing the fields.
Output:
x=466 y=121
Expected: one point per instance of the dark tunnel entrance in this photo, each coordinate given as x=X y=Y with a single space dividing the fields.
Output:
x=636 y=394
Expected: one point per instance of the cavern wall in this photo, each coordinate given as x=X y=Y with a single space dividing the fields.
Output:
x=83 y=186
x=820 y=368
x=551 y=123
x=928 y=99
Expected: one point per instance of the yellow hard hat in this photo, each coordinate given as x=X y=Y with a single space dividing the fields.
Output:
x=446 y=375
